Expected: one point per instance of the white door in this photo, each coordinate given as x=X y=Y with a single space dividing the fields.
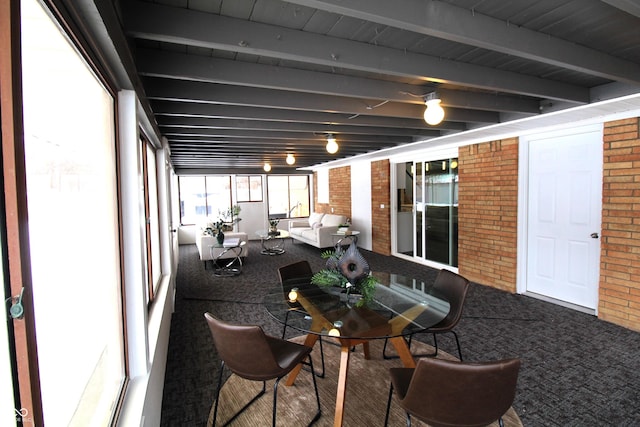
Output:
x=564 y=217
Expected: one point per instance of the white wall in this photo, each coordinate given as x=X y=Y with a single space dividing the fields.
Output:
x=187 y=234
x=254 y=218
x=361 y=202
x=147 y=329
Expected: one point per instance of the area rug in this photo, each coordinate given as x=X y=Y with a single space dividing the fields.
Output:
x=367 y=392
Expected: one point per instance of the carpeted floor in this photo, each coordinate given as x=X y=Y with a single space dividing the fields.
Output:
x=577 y=370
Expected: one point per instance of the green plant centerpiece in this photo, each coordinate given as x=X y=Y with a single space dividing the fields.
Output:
x=349 y=270
x=229 y=217
x=213 y=228
x=273 y=225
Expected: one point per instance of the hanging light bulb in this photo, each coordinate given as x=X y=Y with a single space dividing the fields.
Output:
x=332 y=145
x=290 y=159
x=267 y=167
x=434 y=114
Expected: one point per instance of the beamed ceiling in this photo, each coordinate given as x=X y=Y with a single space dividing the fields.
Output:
x=234 y=83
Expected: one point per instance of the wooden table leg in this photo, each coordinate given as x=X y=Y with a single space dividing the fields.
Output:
x=402 y=348
x=345 y=351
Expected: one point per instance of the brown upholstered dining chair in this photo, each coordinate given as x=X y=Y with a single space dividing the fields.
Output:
x=451 y=393
x=253 y=355
x=453 y=287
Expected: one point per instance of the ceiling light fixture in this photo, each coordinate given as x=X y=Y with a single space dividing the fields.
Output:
x=290 y=159
x=332 y=145
x=267 y=167
x=434 y=114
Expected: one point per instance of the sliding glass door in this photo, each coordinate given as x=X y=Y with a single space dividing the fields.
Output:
x=427 y=210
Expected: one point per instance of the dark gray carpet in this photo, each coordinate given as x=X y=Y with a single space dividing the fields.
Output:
x=577 y=370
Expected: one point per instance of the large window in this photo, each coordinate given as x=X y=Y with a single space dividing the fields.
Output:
x=202 y=198
x=70 y=158
x=249 y=188
x=288 y=196
x=154 y=265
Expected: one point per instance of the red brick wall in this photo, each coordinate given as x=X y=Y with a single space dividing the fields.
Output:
x=488 y=213
x=620 y=244
x=381 y=218
x=339 y=192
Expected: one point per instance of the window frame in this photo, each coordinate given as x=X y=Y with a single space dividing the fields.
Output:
x=289 y=208
x=208 y=215
x=259 y=194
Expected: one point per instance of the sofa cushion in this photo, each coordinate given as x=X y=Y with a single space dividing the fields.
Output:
x=315 y=217
x=330 y=220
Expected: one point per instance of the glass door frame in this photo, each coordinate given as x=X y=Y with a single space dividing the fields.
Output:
x=398 y=168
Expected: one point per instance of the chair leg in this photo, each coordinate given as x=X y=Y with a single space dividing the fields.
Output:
x=275 y=402
x=435 y=344
x=321 y=374
x=215 y=409
x=458 y=344
x=315 y=388
x=386 y=417
x=217 y=396
x=286 y=320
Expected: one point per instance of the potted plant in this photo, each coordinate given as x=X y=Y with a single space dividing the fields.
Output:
x=230 y=217
x=348 y=270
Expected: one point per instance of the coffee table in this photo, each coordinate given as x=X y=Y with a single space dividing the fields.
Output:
x=272 y=242
x=227 y=262
x=345 y=238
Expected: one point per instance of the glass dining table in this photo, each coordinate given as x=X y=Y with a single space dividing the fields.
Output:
x=400 y=306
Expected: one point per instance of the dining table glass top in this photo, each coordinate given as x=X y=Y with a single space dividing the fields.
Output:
x=400 y=306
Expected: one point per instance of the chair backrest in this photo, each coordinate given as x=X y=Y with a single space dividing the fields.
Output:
x=244 y=349
x=448 y=393
x=295 y=275
x=295 y=271
x=454 y=288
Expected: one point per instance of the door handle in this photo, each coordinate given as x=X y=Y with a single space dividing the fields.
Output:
x=594 y=235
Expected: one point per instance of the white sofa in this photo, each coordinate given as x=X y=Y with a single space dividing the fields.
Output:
x=204 y=242
x=318 y=230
